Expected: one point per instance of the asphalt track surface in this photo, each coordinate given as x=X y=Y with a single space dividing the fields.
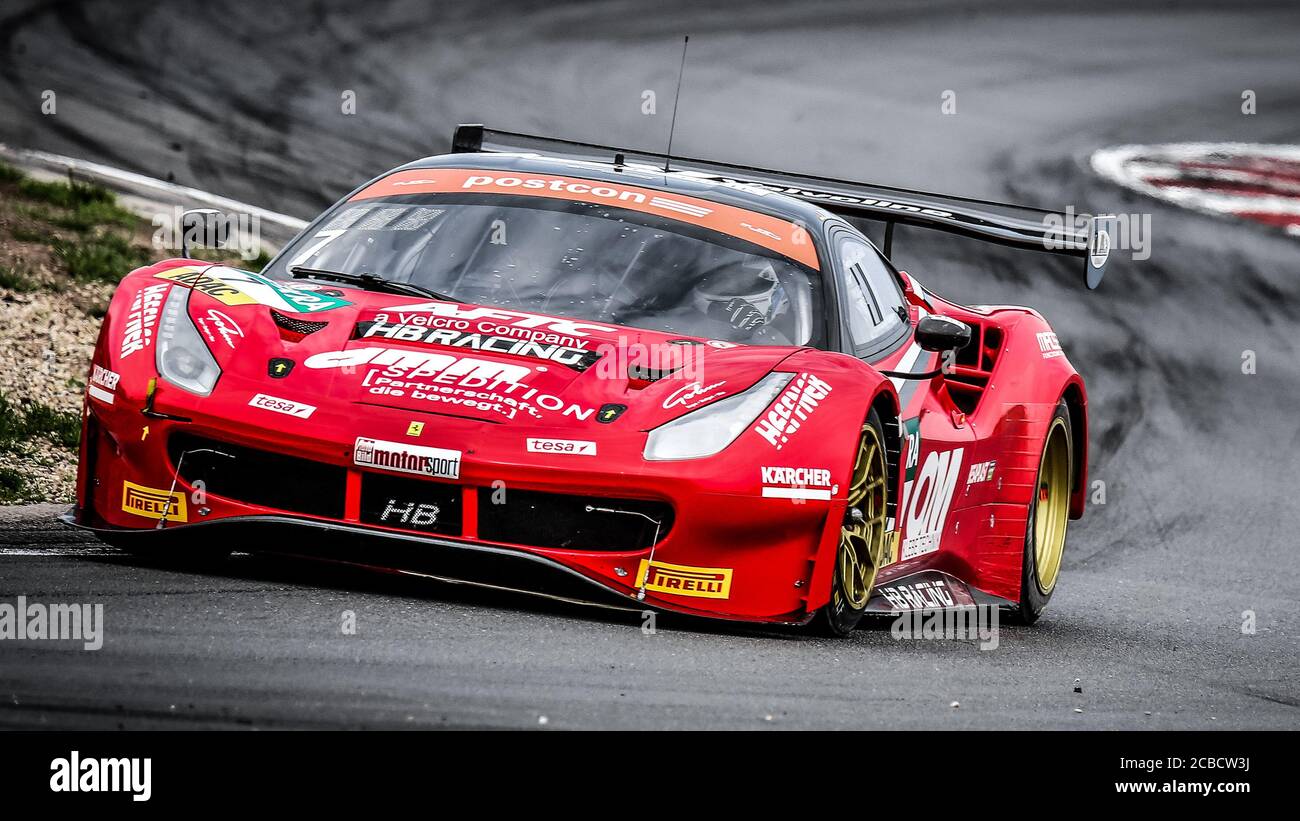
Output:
x=1200 y=522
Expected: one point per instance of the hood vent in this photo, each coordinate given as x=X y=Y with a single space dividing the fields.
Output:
x=293 y=330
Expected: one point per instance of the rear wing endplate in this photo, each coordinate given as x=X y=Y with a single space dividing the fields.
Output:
x=1057 y=232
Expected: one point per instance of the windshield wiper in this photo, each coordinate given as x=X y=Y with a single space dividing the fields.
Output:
x=370 y=282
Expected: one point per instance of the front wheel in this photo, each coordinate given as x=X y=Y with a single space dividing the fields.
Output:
x=1049 y=513
x=863 y=536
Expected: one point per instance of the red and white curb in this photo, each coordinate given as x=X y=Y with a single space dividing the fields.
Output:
x=1251 y=181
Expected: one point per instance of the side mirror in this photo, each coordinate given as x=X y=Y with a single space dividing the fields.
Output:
x=942 y=333
x=206 y=227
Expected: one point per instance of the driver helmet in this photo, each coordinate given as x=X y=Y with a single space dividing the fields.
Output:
x=754 y=281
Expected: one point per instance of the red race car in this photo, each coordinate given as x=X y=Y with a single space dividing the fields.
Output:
x=557 y=367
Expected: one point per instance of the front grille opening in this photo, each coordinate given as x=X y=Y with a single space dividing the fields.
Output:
x=411 y=504
x=259 y=477
x=562 y=521
x=302 y=327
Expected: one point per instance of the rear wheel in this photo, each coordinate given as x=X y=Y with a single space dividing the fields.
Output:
x=861 y=546
x=1049 y=514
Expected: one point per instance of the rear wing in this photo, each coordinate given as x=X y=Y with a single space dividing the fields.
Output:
x=1063 y=233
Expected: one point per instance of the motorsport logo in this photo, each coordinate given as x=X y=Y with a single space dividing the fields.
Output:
x=403 y=458
x=153 y=503
x=796 y=483
x=683 y=580
x=142 y=318
x=928 y=590
x=233 y=287
x=576 y=358
x=791 y=409
x=33 y=621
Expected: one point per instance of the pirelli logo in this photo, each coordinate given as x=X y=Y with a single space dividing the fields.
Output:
x=153 y=503
x=683 y=580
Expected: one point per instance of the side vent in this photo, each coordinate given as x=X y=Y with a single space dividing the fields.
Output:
x=974 y=367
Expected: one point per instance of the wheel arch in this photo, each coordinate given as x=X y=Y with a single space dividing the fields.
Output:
x=885 y=404
x=1076 y=403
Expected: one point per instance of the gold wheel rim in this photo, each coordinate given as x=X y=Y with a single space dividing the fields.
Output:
x=862 y=540
x=1052 y=509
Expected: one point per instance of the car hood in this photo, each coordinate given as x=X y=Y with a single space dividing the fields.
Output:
x=479 y=362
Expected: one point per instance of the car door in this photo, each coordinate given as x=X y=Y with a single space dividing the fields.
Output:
x=878 y=325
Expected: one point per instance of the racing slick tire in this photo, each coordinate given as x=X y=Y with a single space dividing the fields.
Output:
x=863 y=534
x=1049 y=514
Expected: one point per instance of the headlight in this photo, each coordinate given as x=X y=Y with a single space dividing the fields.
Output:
x=711 y=428
x=182 y=358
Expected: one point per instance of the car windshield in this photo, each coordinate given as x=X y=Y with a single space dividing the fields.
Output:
x=578 y=259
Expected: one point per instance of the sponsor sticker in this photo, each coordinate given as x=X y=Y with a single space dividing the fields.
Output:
x=153 y=503
x=415 y=429
x=444 y=379
x=410 y=514
x=791 y=409
x=142 y=318
x=769 y=232
x=573 y=357
x=1049 y=345
x=104 y=377
x=232 y=287
x=572 y=447
x=927 y=502
x=684 y=580
x=928 y=590
x=401 y=457
x=103 y=383
x=285 y=406
x=453 y=316
x=218 y=325
x=694 y=395
x=931 y=595
x=980 y=472
x=796 y=483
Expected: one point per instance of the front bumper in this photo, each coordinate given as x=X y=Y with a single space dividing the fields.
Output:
x=728 y=553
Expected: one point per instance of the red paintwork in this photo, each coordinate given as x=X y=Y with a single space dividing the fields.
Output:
x=780 y=551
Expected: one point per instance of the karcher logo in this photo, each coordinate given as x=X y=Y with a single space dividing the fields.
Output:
x=153 y=503
x=682 y=580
